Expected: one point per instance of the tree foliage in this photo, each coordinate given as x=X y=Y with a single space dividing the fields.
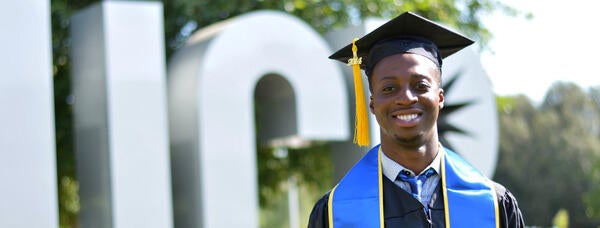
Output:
x=182 y=17
x=311 y=167
x=592 y=197
x=547 y=154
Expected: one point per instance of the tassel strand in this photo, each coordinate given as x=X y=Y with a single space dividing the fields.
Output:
x=361 y=130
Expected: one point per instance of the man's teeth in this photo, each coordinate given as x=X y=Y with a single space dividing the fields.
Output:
x=406 y=117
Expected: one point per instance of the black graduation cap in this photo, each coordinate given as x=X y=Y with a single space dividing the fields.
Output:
x=408 y=32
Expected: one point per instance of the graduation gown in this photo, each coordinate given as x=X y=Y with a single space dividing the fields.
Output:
x=401 y=209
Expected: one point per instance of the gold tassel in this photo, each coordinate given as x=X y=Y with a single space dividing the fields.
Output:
x=361 y=128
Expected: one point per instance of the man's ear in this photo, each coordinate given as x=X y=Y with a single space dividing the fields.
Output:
x=371 y=104
x=441 y=97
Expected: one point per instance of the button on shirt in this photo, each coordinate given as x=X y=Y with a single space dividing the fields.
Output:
x=391 y=169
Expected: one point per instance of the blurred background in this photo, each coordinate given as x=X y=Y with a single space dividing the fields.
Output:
x=538 y=54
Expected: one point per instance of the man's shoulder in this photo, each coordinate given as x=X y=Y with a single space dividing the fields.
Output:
x=503 y=193
x=318 y=216
x=499 y=188
x=324 y=199
x=510 y=214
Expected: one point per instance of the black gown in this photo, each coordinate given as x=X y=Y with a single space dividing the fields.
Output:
x=406 y=211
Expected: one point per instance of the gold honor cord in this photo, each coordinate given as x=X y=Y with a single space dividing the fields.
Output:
x=330 y=206
x=444 y=189
x=496 y=209
x=361 y=128
x=380 y=180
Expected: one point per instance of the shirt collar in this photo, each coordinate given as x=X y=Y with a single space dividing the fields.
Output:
x=391 y=168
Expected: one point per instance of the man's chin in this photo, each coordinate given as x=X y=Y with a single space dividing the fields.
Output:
x=413 y=140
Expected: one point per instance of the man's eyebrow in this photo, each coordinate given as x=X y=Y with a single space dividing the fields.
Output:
x=421 y=75
x=414 y=75
x=387 y=78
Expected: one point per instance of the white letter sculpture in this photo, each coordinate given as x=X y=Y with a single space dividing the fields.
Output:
x=28 y=196
x=120 y=115
x=212 y=83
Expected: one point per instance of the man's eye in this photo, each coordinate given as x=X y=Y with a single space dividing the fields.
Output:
x=387 y=89
x=422 y=86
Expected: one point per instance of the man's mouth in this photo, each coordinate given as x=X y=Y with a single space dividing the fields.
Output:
x=407 y=117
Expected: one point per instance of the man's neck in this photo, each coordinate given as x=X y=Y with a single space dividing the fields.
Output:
x=414 y=158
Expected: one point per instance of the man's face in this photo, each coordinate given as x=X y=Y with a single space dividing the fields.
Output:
x=406 y=99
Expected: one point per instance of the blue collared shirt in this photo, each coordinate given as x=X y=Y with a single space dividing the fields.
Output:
x=391 y=169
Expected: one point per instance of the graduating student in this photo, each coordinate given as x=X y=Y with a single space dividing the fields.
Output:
x=410 y=179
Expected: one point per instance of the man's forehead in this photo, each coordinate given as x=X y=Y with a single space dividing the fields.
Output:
x=409 y=61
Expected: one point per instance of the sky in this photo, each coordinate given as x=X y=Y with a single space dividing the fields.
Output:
x=560 y=43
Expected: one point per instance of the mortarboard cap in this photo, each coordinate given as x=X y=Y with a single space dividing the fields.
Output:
x=407 y=28
x=407 y=33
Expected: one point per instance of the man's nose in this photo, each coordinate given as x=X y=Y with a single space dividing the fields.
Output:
x=406 y=97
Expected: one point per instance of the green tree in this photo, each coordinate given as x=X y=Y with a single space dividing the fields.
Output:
x=592 y=197
x=546 y=153
x=182 y=17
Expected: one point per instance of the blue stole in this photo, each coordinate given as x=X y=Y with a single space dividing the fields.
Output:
x=469 y=197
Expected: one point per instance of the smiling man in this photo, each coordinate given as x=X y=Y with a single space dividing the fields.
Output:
x=410 y=180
